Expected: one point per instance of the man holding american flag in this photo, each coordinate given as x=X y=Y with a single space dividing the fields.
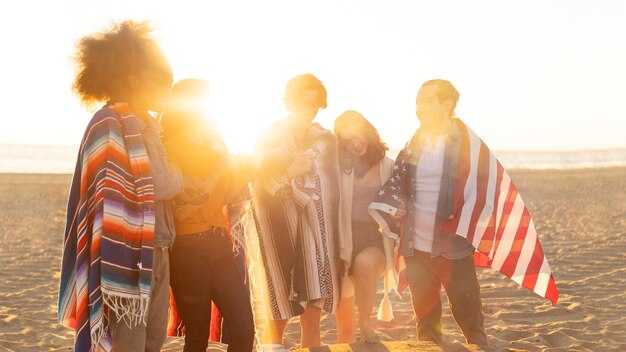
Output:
x=450 y=205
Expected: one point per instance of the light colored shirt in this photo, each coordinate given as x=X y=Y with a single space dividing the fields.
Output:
x=427 y=185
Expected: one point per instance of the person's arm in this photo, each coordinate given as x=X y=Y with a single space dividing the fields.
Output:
x=167 y=185
x=275 y=169
x=392 y=198
x=191 y=199
x=167 y=180
x=399 y=174
x=182 y=212
x=242 y=173
x=185 y=202
x=208 y=194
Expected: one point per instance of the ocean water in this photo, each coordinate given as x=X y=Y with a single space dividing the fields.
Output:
x=571 y=159
x=562 y=159
x=62 y=159
x=52 y=159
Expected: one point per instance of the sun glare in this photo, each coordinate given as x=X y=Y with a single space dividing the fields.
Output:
x=239 y=104
x=240 y=118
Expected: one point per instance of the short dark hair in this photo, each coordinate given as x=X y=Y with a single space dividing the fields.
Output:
x=301 y=83
x=376 y=147
x=445 y=90
x=107 y=59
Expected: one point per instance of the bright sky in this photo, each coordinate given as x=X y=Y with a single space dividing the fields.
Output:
x=532 y=74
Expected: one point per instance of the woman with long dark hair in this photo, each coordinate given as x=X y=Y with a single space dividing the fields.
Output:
x=364 y=168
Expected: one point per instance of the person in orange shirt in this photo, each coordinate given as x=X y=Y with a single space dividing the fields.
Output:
x=202 y=262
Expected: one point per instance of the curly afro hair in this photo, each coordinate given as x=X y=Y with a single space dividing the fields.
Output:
x=106 y=60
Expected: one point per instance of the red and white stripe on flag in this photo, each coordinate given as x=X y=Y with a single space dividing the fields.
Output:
x=490 y=214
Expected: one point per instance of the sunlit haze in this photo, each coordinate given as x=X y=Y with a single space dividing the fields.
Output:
x=532 y=75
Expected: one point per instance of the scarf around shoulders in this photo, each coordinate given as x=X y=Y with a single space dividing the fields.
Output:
x=107 y=248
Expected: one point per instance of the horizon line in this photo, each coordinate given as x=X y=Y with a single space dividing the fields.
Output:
x=506 y=150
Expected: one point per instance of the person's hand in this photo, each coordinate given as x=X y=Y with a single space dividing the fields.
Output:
x=301 y=164
x=400 y=211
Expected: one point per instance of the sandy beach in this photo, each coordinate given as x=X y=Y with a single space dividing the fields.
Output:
x=580 y=216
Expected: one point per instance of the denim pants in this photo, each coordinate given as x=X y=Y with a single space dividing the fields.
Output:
x=203 y=269
x=149 y=337
x=426 y=275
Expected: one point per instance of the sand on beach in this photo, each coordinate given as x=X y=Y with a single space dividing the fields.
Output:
x=580 y=216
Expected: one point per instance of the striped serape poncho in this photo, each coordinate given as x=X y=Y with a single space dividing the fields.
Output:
x=296 y=222
x=107 y=247
x=488 y=211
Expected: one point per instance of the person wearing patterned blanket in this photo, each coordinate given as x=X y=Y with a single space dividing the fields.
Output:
x=115 y=273
x=295 y=212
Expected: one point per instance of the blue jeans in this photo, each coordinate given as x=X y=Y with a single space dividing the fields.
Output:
x=203 y=270
x=426 y=275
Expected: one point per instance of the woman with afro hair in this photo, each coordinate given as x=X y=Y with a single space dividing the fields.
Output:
x=115 y=272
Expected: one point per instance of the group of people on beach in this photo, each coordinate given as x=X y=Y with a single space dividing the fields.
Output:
x=151 y=212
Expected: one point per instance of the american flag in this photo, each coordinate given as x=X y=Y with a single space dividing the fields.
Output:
x=489 y=213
